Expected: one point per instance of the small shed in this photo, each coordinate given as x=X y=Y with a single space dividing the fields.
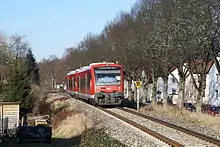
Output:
x=9 y=115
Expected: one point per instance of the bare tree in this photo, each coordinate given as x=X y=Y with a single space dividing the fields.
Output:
x=154 y=36
x=202 y=43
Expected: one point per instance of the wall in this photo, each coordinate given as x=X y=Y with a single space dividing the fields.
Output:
x=190 y=90
x=214 y=86
x=173 y=83
x=10 y=112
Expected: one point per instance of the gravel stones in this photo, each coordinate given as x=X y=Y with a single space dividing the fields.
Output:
x=176 y=135
x=201 y=128
x=114 y=127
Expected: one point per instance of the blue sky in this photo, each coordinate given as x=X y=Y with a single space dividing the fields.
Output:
x=53 y=25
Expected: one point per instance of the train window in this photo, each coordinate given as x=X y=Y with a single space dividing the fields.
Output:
x=82 y=83
x=70 y=83
x=89 y=75
x=88 y=79
x=74 y=82
x=78 y=82
x=108 y=76
x=118 y=78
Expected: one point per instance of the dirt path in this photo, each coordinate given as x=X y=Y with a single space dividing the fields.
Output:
x=56 y=142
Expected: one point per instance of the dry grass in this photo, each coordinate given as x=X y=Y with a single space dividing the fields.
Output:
x=208 y=120
x=68 y=122
x=186 y=116
x=58 y=105
x=73 y=126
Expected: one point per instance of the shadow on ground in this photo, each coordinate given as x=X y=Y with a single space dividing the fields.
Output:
x=56 y=142
x=127 y=103
x=132 y=104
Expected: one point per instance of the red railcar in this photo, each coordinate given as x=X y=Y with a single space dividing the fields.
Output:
x=72 y=82
x=100 y=83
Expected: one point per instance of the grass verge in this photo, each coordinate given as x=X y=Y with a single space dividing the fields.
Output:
x=186 y=116
x=98 y=138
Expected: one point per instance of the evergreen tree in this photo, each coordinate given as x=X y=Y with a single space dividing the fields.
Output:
x=18 y=80
x=32 y=68
x=18 y=88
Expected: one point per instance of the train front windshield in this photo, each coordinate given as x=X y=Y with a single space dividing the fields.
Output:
x=107 y=76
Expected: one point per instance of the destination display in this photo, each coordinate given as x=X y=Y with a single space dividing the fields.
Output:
x=107 y=67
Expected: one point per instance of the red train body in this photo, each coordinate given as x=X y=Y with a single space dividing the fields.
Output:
x=99 y=83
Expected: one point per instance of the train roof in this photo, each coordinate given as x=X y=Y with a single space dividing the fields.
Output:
x=84 y=68
x=97 y=63
x=92 y=64
x=72 y=72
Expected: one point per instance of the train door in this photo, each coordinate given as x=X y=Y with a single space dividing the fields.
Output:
x=70 y=83
x=73 y=83
x=67 y=83
x=76 y=83
x=86 y=81
x=79 y=84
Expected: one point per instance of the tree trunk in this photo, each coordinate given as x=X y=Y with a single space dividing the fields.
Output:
x=135 y=94
x=165 y=93
x=145 y=89
x=154 y=91
x=129 y=90
x=181 y=94
x=201 y=92
x=145 y=93
x=131 y=97
x=199 y=101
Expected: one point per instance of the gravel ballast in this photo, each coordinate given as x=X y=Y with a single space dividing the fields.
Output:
x=125 y=133
x=116 y=128
x=131 y=136
x=200 y=128
x=173 y=134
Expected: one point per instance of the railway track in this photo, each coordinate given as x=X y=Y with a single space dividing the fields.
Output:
x=209 y=139
x=159 y=136
x=200 y=139
x=163 y=138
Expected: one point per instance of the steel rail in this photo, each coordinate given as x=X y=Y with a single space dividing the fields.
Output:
x=145 y=129
x=179 y=128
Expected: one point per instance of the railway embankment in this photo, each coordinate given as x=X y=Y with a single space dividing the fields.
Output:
x=98 y=128
x=73 y=118
x=66 y=121
x=71 y=121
